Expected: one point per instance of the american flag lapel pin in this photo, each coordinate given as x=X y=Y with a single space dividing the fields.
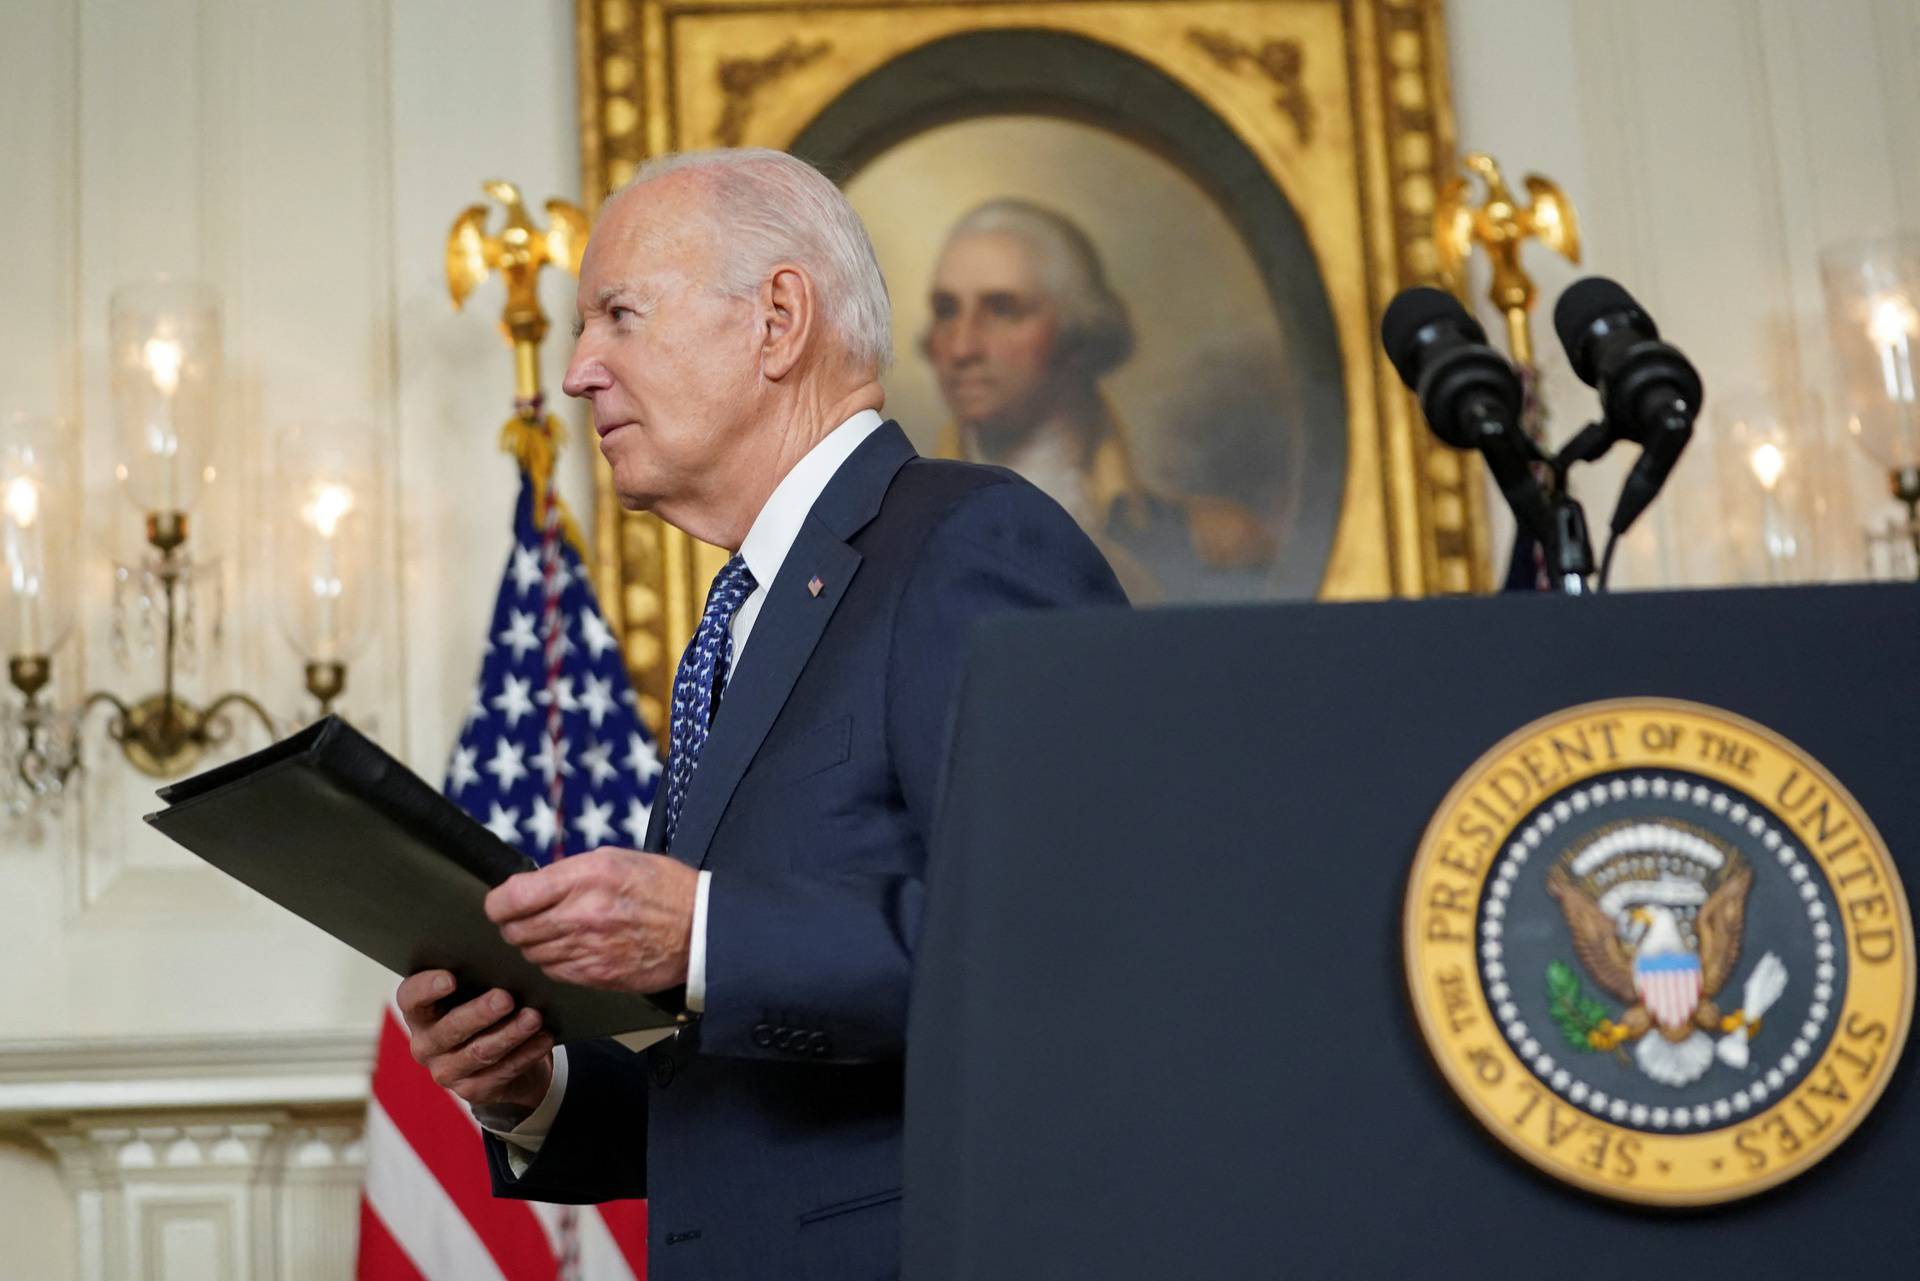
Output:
x=814 y=585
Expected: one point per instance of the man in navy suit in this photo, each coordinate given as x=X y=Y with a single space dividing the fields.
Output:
x=732 y=329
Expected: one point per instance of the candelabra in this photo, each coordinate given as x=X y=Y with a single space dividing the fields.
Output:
x=1873 y=314
x=164 y=353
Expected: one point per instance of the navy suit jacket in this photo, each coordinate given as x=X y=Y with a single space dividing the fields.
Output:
x=767 y=1134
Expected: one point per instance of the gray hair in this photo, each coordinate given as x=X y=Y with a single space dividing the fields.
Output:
x=1096 y=333
x=769 y=207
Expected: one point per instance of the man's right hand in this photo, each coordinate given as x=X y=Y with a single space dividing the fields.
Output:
x=483 y=1051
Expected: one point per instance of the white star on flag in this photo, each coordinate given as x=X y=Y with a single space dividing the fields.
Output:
x=461 y=774
x=553 y=756
x=505 y=824
x=513 y=700
x=598 y=758
x=641 y=758
x=598 y=700
x=519 y=634
x=592 y=823
x=526 y=569
x=564 y=688
x=505 y=765
x=599 y=637
x=542 y=823
x=635 y=823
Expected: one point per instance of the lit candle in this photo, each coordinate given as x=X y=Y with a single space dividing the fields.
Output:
x=26 y=562
x=1769 y=463
x=1892 y=324
x=329 y=504
x=164 y=359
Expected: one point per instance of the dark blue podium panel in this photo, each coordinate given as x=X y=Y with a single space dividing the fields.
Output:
x=1161 y=1023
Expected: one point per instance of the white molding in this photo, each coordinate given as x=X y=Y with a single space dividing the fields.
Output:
x=234 y=1195
x=92 y=1075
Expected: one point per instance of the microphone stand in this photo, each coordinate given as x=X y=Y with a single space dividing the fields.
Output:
x=1570 y=551
x=1570 y=556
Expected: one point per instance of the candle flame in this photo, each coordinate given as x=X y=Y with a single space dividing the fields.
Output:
x=22 y=501
x=163 y=357
x=1891 y=320
x=324 y=510
x=1768 y=463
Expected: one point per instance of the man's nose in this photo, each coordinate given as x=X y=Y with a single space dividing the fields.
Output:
x=585 y=373
x=963 y=337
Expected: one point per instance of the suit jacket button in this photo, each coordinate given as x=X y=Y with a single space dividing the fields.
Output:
x=817 y=1045
x=662 y=1070
x=763 y=1035
x=783 y=1039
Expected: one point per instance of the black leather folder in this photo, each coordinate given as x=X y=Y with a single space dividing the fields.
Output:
x=332 y=828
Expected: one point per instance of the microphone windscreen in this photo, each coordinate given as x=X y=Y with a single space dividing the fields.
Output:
x=1583 y=304
x=1411 y=311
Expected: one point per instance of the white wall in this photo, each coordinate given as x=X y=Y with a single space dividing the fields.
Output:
x=307 y=160
x=1712 y=147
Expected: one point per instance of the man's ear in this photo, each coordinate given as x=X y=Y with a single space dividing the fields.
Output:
x=790 y=312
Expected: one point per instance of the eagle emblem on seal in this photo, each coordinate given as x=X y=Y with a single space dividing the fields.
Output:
x=1657 y=911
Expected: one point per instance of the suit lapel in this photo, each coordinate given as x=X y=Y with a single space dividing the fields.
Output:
x=783 y=639
x=785 y=634
x=657 y=817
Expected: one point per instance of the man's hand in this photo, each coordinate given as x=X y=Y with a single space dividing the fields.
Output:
x=483 y=1051
x=609 y=918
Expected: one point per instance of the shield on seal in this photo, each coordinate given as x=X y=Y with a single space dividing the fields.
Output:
x=1668 y=984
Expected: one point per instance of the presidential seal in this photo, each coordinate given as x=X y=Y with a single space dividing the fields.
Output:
x=1659 y=951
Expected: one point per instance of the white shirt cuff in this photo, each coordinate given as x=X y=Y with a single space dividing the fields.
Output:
x=697 y=948
x=524 y=1139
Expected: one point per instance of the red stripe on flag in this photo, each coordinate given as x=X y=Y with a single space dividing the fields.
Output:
x=381 y=1258
x=437 y=1126
x=627 y=1224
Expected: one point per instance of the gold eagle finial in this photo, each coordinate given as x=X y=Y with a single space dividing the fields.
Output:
x=518 y=252
x=1501 y=225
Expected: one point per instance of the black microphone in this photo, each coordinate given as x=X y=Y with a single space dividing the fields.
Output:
x=1469 y=392
x=1649 y=392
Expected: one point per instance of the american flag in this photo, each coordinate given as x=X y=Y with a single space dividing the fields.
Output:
x=554 y=759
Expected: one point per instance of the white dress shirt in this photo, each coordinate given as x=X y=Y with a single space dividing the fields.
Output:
x=765 y=550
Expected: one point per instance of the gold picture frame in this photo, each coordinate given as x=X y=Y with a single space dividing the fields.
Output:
x=1343 y=103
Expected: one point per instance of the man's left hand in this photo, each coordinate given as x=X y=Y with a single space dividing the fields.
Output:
x=608 y=918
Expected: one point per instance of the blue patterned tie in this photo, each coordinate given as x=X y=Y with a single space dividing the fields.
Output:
x=703 y=669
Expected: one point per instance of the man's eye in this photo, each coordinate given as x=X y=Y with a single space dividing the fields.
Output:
x=1006 y=308
x=945 y=308
x=618 y=312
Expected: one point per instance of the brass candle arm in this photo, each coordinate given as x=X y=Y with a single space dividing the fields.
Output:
x=163 y=734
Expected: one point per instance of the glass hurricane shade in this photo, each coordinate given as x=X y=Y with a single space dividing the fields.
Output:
x=38 y=533
x=326 y=521
x=1772 y=461
x=164 y=348
x=1873 y=315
